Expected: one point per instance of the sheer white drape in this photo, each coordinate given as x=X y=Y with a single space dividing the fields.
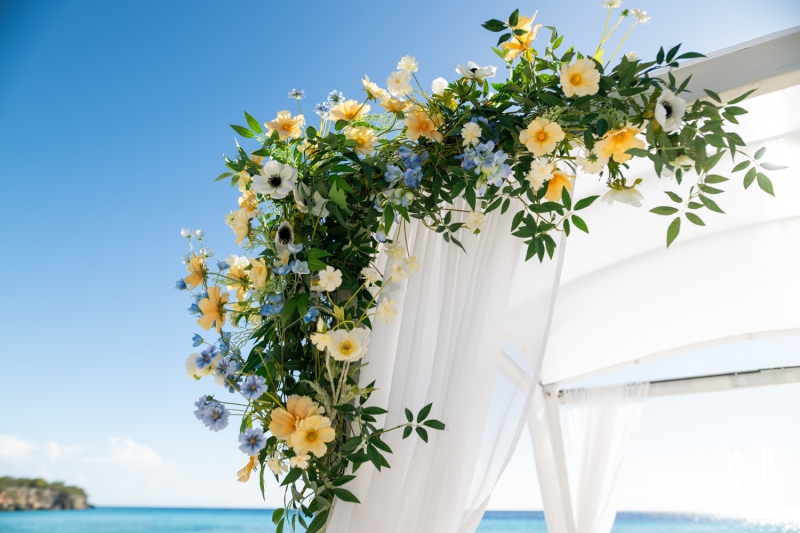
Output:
x=599 y=428
x=456 y=318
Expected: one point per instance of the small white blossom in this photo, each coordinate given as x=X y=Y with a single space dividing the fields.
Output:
x=611 y=4
x=626 y=196
x=370 y=276
x=471 y=134
x=540 y=172
x=408 y=64
x=438 y=86
x=395 y=250
x=276 y=466
x=330 y=279
x=399 y=83
x=591 y=163
x=632 y=56
x=475 y=222
x=387 y=310
x=473 y=71
x=186 y=232
x=641 y=16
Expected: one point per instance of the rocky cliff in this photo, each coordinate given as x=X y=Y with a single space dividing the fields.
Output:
x=37 y=494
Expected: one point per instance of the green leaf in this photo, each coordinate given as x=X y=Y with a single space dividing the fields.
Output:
x=772 y=166
x=637 y=152
x=244 y=132
x=765 y=183
x=422 y=434
x=424 y=412
x=733 y=110
x=374 y=456
x=407 y=431
x=277 y=515
x=694 y=219
x=409 y=415
x=579 y=223
x=750 y=177
x=293 y=475
x=713 y=95
x=673 y=230
x=494 y=25
x=585 y=202
x=514 y=18
x=345 y=495
x=228 y=174
x=711 y=204
x=601 y=127
x=761 y=151
x=664 y=210
x=742 y=97
x=565 y=199
x=337 y=195
x=434 y=424
x=319 y=522
x=469 y=196
x=674 y=197
x=253 y=123
x=715 y=178
x=741 y=166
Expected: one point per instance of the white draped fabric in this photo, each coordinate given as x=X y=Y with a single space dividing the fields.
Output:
x=599 y=428
x=456 y=316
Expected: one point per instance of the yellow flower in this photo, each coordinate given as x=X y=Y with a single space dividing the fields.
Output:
x=541 y=136
x=373 y=91
x=364 y=136
x=312 y=434
x=394 y=105
x=288 y=127
x=197 y=271
x=349 y=110
x=258 y=273
x=213 y=309
x=616 y=142
x=420 y=124
x=237 y=279
x=244 y=473
x=557 y=184
x=239 y=221
x=580 y=78
x=520 y=44
x=248 y=201
x=285 y=421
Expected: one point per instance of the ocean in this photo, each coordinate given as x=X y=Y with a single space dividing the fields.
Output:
x=135 y=520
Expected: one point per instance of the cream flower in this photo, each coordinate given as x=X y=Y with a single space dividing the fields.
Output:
x=557 y=183
x=386 y=310
x=580 y=78
x=471 y=133
x=312 y=435
x=475 y=222
x=276 y=466
x=394 y=105
x=288 y=127
x=616 y=142
x=330 y=279
x=412 y=263
x=541 y=136
x=670 y=110
x=623 y=194
x=349 y=345
x=370 y=276
x=248 y=201
x=364 y=136
x=258 y=273
x=540 y=172
x=373 y=90
x=590 y=162
x=243 y=181
x=299 y=461
x=395 y=250
x=420 y=124
x=282 y=258
x=473 y=71
x=399 y=271
x=399 y=83
x=632 y=56
x=275 y=180
x=284 y=422
x=408 y=64
x=641 y=16
x=611 y=4
x=321 y=340
x=349 y=110
x=438 y=86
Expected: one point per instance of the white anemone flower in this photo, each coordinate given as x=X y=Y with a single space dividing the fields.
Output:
x=628 y=196
x=275 y=180
x=349 y=345
x=670 y=110
x=473 y=71
x=285 y=235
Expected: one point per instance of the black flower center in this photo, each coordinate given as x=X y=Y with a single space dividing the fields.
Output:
x=275 y=180
x=668 y=108
x=284 y=234
x=473 y=70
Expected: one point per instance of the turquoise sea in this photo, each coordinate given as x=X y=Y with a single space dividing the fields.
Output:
x=134 y=520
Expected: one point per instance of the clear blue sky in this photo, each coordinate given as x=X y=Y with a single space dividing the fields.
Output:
x=113 y=121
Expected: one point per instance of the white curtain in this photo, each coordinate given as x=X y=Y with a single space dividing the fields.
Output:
x=464 y=342
x=599 y=428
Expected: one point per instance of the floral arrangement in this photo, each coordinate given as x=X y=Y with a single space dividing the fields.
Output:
x=290 y=319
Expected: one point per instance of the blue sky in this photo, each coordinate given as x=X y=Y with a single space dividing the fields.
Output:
x=113 y=122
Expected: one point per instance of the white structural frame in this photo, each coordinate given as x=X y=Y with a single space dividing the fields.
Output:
x=767 y=64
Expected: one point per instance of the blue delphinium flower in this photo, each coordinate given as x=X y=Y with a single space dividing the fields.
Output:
x=194 y=309
x=300 y=267
x=180 y=285
x=275 y=305
x=215 y=416
x=322 y=109
x=197 y=340
x=283 y=269
x=412 y=176
x=223 y=266
x=297 y=94
x=253 y=441
x=223 y=366
x=311 y=315
x=335 y=97
x=393 y=174
x=206 y=357
x=253 y=387
x=295 y=248
x=201 y=405
x=233 y=381
x=380 y=234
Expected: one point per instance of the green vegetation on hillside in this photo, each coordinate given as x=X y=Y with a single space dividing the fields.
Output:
x=38 y=483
